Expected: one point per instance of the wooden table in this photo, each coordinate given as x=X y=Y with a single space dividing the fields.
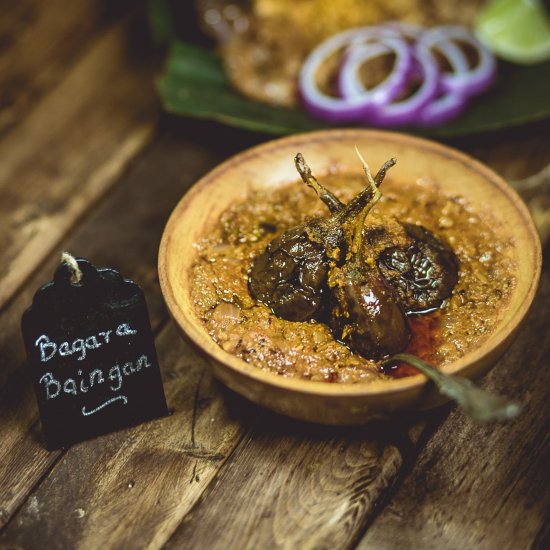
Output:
x=89 y=165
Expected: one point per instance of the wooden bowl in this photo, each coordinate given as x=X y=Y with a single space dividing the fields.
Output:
x=271 y=165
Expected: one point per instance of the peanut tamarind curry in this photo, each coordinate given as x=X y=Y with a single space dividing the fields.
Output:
x=324 y=281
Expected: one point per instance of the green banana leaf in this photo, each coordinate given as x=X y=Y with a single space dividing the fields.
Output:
x=194 y=84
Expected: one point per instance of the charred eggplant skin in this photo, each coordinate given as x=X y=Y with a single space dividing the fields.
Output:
x=321 y=270
x=290 y=275
x=422 y=275
x=365 y=314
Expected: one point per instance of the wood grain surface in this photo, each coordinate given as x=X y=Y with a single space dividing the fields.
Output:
x=68 y=151
x=84 y=166
x=23 y=459
x=41 y=41
x=307 y=487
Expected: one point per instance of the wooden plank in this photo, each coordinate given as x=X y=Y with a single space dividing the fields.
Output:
x=69 y=151
x=40 y=42
x=131 y=489
x=291 y=485
x=124 y=232
x=483 y=487
x=294 y=485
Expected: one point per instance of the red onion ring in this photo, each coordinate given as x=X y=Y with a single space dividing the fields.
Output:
x=440 y=110
x=440 y=96
x=455 y=56
x=406 y=112
x=463 y=79
x=332 y=109
x=349 y=81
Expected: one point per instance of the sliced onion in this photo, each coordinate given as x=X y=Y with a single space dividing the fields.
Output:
x=407 y=111
x=455 y=56
x=441 y=109
x=349 y=81
x=444 y=108
x=463 y=79
x=332 y=109
x=440 y=96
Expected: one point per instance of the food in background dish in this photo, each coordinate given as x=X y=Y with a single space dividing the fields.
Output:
x=264 y=42
x=391 y=74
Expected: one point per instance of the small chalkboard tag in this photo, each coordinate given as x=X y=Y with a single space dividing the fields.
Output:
x=91 y=353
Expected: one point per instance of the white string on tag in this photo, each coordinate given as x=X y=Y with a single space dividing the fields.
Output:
x=70 y=261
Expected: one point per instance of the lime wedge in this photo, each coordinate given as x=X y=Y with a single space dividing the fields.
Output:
x=515 y=30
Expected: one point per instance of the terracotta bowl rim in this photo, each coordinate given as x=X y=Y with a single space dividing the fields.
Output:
x=199 y=336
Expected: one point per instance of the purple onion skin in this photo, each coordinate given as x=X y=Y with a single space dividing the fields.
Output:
x=331 y=109
x=407 y=112
x=350 y=115
x=440 y=98
x=392 y=86
x=442 y=110
x=475 y=87
x=473 y=81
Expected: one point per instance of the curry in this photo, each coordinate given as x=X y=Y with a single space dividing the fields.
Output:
x=456 y=252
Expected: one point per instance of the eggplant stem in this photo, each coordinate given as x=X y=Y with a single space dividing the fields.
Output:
x=358 y=230
x=332 y=201
x=381 y=174
x=356 y=205
x=478 y=404
x=371 y=181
